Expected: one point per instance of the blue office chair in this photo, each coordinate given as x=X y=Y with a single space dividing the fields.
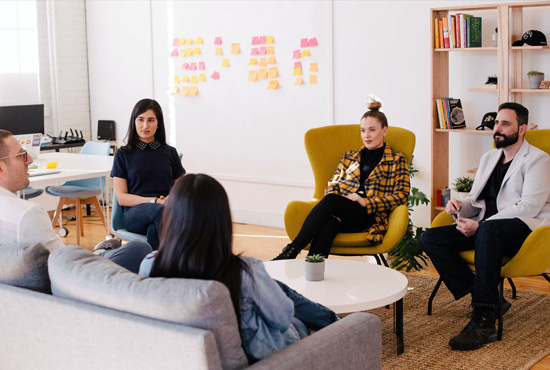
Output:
x=80 y=192
x=117 y=223
x=30 y=193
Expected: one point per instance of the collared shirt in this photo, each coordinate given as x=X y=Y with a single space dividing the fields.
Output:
x=25 y=222
x=153 y=144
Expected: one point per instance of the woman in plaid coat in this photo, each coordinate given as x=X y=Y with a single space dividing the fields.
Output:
x=366 y=186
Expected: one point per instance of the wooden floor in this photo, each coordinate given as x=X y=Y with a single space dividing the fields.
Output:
x=265 y=243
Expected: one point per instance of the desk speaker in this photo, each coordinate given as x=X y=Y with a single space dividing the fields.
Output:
x=106 y=130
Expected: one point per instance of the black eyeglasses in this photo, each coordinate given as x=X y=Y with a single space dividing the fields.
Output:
x=23 y=153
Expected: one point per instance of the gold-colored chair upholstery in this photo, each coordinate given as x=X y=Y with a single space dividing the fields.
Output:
x=532 y=259
x=325 y=147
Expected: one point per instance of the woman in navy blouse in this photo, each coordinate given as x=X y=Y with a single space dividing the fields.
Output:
x=144 y=171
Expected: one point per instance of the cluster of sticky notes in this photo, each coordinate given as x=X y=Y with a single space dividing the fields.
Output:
x=264 y=58
x=194 y=79
x=186 y=52
x=185 y=90
x=193 y=66
x=304 y=51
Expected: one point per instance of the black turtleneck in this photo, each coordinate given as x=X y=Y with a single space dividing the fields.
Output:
x=369 y=160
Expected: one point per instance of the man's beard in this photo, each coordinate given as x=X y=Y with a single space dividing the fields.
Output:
x=506 y=141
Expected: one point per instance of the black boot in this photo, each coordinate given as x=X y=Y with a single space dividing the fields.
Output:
x=479 y=331
x=288 y=253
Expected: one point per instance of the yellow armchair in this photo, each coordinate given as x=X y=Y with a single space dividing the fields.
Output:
x=325 y=147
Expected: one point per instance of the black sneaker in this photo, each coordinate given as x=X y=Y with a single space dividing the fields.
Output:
x=479 y=331
x=289 y=252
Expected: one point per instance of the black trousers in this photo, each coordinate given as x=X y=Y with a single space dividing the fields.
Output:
x=332 y=215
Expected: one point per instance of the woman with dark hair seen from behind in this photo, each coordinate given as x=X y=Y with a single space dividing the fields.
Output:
x=367 y=185
x=144 y=171
x=196 y=243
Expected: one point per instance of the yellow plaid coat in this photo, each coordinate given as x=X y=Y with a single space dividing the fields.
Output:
x=387 y=186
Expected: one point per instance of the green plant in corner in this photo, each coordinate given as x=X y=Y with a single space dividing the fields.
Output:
x=534 y=73
x=315 y=258
x=463 y=184
x=408 y=253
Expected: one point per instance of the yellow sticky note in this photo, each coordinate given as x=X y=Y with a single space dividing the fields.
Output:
x=193 y=90
x=297 y=71
x=188 y=52
x=235 y=48
x=225 y=63
x=273 y=84
x=273 y=72
x=269 y=39
x=252 y=75
x=176 y=79
x=202 y=77
x=305 y=53
x=51 y=165
x=313 y=67
x=181 y=41
x=299 y=81
x=313 y=79
x=185 y=79
x=270 y=50
x=262 y=73
x=197 y=51
x=182 y=52
x=189 y=41
x=252 y=62
x=219 y=51
x=199 y=40
x=271 y=60
x=193 y=79
x=263 y=62
x=184 y=91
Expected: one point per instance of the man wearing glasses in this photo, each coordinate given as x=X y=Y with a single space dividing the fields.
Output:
x=21 y=221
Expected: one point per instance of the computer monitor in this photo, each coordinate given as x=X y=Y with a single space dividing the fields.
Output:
x=22 y=119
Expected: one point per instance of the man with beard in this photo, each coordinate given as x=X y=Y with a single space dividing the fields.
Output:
x=510 y=197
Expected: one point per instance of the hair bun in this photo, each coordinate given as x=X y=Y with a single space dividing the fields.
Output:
x=374 y=105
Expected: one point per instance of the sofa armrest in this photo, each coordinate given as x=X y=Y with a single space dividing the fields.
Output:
x=355 y=342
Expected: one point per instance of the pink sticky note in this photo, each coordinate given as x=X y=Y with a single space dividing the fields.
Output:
x=304 y=43
x=201 y=65
x=255 y=40
x=296 y=54
x=218 y=41
x=215 y=75
x=175 y=53
x=297 y=64
x=254 y=51
x=185 y=66
x=262 y=39
x=263 y=50
x=193 y=66
x=313 y=41
x=176 y=40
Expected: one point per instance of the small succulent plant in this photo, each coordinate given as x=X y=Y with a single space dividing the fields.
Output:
x=315 y=258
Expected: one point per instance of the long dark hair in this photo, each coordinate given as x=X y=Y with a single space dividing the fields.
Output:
x=196 y=236
x=143 y=106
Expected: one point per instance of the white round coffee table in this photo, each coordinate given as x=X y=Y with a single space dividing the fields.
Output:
x=348 y=286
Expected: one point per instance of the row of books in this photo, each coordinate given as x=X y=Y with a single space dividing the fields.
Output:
x=450 y=113
x=457 y=31
x=443 y=196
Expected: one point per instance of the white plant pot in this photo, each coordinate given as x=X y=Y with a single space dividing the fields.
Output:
x=314 y=271
x=461 y=195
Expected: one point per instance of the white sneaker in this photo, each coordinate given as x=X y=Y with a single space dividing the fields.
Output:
x=106 y=245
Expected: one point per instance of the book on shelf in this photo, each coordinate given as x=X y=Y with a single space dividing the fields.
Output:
x=438 y=109
x=445 y=22
x=441 y=42
x=445 y=196
x=436 y=33
x=464 y=29
x=446 y=112
x=439 y=198
x=457 y=29
x=473 y=25
x=456 y=114
x=451 y=27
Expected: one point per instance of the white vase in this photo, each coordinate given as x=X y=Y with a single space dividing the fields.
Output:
x=314 y=271
x=461 y=195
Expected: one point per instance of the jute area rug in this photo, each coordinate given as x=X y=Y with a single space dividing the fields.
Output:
x=525 y=339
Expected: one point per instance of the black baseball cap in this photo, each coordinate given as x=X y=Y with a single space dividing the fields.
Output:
x=488 y=121
x=533 y=38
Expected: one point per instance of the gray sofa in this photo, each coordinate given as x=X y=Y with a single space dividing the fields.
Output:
x=101 y=316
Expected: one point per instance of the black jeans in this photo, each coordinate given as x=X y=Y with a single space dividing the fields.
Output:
x=492 y=240
x=332 y=215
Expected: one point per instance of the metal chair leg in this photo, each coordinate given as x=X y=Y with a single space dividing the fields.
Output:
x=384 y=260
x=513 y=287
x=434 y=292
x=546 y=277
x=500 y=313
x=377 y=259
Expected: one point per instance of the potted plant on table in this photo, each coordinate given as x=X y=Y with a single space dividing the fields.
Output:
x=314 y=269
x=535 y=78
x=463 y=186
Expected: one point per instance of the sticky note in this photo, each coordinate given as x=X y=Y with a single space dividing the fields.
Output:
x=252 y=62
x=252 y=75
x=194 y=90
x=235 y=48
x=194 y=80
x=304 y=43
x=305 y=53
x=188 y=52
x=189 y=41
x=263 y=62
x=313 y=41
x=184 y=91
x=299 y=81
x=269 y=39
x=255 y=40
x=218 y=41
x=201 y=65
x=262 y=39
x=199 y=40
x=273 y=72
x=254 y=51
x=297 y=64
x=263 y=50
x=185 y=66
x=270 y=50
x=182 y=53
x=225 y=63
x=175 y=53
x=181 y=41
x=185 y=79
x=51 y=164
x=296 y=54
x=313 y=79
x=176 y=79
x=273 y=84
x=215 y=75
x=262 y=73
x=297 y=71
x=193 y=66
x=176 y=40
x=271 y=60
x=197 y=51
x=313 y=67
x=219 y=51
x=175 y=90
x=202 y=77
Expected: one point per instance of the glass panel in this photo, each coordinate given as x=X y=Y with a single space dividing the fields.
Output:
x=28 y=51
x=9 y=62
x=8 y=14
x=27 y=14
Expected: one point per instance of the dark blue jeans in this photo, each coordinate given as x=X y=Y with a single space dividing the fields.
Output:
x=145 y=219
x=129 y=255
x=492 y=240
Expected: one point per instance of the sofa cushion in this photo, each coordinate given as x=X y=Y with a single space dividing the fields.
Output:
x=80 y=275
x=25 y=266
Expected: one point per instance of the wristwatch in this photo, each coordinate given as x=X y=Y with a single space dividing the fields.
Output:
x=154 y=200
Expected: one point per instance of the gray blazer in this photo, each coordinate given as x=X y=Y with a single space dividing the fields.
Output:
x=525 y=190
